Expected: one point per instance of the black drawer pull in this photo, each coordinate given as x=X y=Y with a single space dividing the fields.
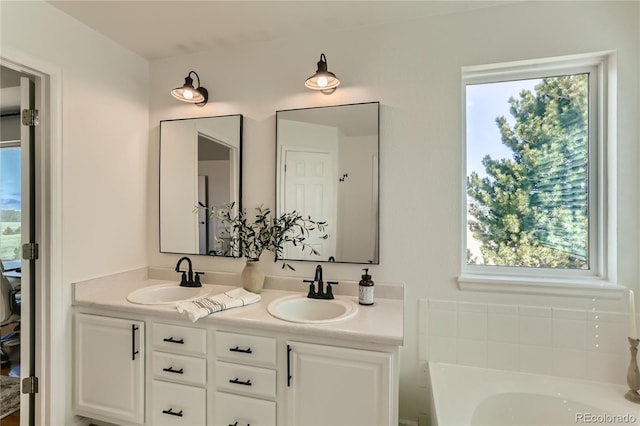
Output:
x=172 y=413
x=134 y=352
x=244 y=351
x=171 y=370
x=172 y=340
x=289 y=349
x=236 y=381
x=236 y=424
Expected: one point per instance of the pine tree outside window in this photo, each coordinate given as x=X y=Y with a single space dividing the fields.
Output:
x=536 y=193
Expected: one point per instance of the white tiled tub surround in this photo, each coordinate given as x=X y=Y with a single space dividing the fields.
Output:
x=580 y=344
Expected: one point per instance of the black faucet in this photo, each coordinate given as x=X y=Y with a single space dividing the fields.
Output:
x=187 y=279
x=320 y=294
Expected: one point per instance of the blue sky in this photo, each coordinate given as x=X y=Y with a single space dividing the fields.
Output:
x=485 y=102
x=10 y=189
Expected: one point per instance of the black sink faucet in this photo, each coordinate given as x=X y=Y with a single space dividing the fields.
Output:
x=320 y=294
x=187 y=279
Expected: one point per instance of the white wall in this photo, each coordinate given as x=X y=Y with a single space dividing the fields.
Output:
x=179 y=187
x=413 y=69
x=356 y=204
x=104 y=145
x=219 y=182
x=105 y=95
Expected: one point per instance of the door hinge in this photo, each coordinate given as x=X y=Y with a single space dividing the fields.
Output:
x=30 y=385
x=30 y=117
x=30 y=251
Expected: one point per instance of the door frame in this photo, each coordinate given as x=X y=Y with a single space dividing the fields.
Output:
x=53 y=298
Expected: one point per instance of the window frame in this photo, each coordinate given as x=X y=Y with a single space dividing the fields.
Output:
x=599 y=279
x=12 y=264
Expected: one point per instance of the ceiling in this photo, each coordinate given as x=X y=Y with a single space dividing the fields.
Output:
x=160 y=29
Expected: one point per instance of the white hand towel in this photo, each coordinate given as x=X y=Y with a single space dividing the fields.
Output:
x=204 y=306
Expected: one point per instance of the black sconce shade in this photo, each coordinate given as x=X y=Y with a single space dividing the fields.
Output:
x=323 y=80
x=188 y=93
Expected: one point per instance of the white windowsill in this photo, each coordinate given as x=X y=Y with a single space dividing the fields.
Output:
x=542 y=286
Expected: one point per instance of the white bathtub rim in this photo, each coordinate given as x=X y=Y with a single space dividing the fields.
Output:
x=471 y=389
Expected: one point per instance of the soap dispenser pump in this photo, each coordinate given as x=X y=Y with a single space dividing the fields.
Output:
x=365 y=289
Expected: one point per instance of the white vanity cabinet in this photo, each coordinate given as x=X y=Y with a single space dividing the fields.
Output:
x=147 y=365
x=245 y=371
x=338 y=386
x=179 y=375
x=109 y=368
x=207 y=375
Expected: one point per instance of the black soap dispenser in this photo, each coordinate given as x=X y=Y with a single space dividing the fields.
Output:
x=365 y=289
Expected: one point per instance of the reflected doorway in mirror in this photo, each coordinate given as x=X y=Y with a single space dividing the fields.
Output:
x=200 y=169
x=328 y=167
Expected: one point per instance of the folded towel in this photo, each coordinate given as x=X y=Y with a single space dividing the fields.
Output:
x=204 y=306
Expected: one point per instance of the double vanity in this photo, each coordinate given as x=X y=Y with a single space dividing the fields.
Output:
x=286 y=360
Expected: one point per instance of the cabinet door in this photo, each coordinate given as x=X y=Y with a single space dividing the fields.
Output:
x=109 y=373
x=333 y=386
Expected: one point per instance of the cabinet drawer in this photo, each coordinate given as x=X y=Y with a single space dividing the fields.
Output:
x=176 y=338
x=245 y=348
x=179 y=368
x=243 y=411
x=174 y=404
x=246 y=379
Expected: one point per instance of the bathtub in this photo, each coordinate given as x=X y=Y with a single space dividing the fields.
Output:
x=463 y=395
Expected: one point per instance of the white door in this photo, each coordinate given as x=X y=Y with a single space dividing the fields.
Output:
x=310 y=189
x=28 y=267
x=109 y=369
x=334 y=386
x=42 y=222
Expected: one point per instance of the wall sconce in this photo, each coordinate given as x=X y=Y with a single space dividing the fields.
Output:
x=187 y=93
x=323 y=80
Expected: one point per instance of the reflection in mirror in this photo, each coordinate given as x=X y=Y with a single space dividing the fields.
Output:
x=327 y=168
x=199 y=167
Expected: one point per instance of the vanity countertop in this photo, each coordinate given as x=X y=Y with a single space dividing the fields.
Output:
x=381 y=323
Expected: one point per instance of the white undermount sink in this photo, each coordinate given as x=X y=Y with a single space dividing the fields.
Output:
x=299 y=308
x=164 y=294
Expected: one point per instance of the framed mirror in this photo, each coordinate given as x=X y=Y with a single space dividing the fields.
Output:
x=328 y=168
x=200 y=166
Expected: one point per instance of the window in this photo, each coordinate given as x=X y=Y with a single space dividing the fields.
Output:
x=535 y=196
x=10 y=204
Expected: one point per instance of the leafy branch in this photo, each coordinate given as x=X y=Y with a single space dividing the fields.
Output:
x=266 y=232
